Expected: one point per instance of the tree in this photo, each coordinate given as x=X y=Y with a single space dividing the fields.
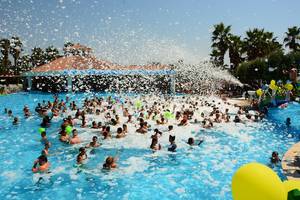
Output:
x=236 y=50
x=5 y=46
x=15 y=50
x=24 y=63
x=67 y=48
x=292 y=38
x=259 y=43
x=51 y=53
x=37 y=57
x=220 y=39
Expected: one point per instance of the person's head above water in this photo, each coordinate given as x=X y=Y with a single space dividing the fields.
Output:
x=171 y=138
x=74 y=132
x=95 y=138
x=82 y=150
x=288 y=121
x=191 y=141
x=119 y=130
x=43 y=134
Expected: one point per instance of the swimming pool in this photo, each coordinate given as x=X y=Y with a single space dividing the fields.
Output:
x=203 y=172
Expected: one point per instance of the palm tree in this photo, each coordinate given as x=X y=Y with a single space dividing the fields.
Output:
x=37 y=57
x=5 y=46
x=15 y=50
x=236 y=50
x=220 y=43
x=259 y=43
x=51 y=53
x=292 y=38
x=24 y=63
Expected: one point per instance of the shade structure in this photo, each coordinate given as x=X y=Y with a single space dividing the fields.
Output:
x=78 y=65
x=86 y=66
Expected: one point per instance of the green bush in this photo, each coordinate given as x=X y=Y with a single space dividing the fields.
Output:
x=272 y=67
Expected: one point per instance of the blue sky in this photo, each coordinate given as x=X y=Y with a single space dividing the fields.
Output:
x=135 y=31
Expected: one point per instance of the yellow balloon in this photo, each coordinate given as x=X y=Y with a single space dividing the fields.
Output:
x=259 y=92
x=273 y=87
x=273 y=82
x=289 y=86
x=291 y=185
x=255 y=181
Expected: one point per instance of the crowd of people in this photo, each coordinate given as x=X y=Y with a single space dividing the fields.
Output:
x=113 y=118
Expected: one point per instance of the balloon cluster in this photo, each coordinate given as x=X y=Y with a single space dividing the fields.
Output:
x=288 y=86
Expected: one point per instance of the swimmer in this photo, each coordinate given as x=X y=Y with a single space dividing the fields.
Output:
x=110 y=163
x=94 y=125
x=44 y=138
x=129 y=119
x=83 y=122
x=99 y=125
x=125 y=128
x=16 y=121
x=41 y=164
x=256 y=118
x=154 y=144
x=171 y=130
x=172 y=147
x=9 y=113
x=184 y=121
x=26 y=111
x=275 y=158
x=45 y=151
x=106 y=133
x=46 y=122
x=120 y=133
x=191 y=141
x=70 y=120
x=64 y=137
x=288 y=122
x=75 y=139
x=81 y=156
x=93 y=143
x=237 y=119
x=143 y=128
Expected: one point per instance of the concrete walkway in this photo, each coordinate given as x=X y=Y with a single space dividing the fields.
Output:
x=291 y=163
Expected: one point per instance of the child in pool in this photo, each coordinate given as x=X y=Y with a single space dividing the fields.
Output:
x=110 y=163
x=173 y=145
x=41 y=164
x=45 y=151
x=81 y=156
x=44 y=138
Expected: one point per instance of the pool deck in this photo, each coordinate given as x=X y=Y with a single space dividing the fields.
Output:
x=291 y=163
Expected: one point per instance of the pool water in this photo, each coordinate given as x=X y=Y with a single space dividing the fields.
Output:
x=203 y=172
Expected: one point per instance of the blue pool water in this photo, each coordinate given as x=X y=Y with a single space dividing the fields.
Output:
x=203 y=172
